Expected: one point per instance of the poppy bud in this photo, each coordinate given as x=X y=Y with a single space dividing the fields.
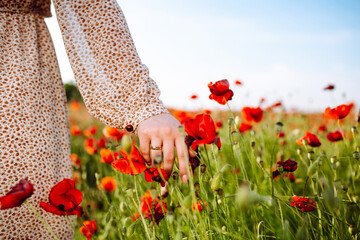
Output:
x=126 y=142
x=197 y=193
x=237 y=122
x=279 y=126
x=356 y=155
x=298 y=151
x=311 y=155
x=216 y=181
x=219 y=201
x=197 y=186
x=354 y=130
x=220 y=191
x=235 y=136
x=333 y=159
x=203 y=168
x=129 y=128
x=351 y=229
x=175 y=175
x=252 y=144
x=230 y=122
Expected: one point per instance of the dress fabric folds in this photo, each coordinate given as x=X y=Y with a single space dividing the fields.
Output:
x=34 y=128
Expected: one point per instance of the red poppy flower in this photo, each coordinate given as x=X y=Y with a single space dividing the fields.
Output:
x=252 y=114
x=339 y=112
x=220 y=91
x=199 y=205
x=89 y=145
x=244 y=127
x=75 y=160
x=194 y=96
x=182 y=116
x=312 y=140
x=101 y=143
x=329 y=87
x=292 y=177
x=74 y=105
x=305 y=204
x=281 y=134
x=277 y=104
x=218 y=124
x=107 y=156
x=334 y=136
x=238 y=83
x=153 y=175
x=133 y=163
x=202 y=131
x=75 y=130
x=322 y=128
x=17 y=195
x=288 y=166
x=108 y=184
x=114 y=133
x=89 y=229
x=91 y=131
x=135 y=216
x=154 y=209
x=64 y=199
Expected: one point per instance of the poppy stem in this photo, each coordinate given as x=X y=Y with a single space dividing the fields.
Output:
x=307 y=178
x=41 y=219
x=72 y=227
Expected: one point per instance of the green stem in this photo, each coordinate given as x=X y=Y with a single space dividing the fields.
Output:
x=41 y=219
x=72 y=227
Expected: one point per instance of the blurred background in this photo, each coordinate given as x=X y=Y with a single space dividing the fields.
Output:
x=285 y=51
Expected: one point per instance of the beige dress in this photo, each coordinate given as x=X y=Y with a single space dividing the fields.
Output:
x=34 y=128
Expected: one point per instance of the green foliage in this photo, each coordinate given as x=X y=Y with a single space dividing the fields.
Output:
x=72 y=92
x=237 y=194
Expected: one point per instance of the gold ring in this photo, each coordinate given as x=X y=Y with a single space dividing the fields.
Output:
x=155 y=148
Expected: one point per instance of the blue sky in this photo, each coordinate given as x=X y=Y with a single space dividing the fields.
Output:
x=280 y=50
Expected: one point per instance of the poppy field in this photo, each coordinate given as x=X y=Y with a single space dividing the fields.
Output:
x=261 y=173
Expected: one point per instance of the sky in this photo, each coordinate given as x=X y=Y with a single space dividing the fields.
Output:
x=281 y=50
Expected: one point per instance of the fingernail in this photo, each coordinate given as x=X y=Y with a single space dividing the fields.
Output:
x=185 y=178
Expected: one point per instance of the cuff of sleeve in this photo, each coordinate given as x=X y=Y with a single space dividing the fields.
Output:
x=149 y=110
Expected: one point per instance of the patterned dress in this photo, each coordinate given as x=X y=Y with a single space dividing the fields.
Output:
x=34 y=128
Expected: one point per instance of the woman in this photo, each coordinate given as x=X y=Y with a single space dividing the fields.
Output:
x=115 y=85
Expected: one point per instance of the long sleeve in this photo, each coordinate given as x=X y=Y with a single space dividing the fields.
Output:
x=114 y=83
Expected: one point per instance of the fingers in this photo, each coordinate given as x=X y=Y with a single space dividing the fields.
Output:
x=156 y=142
x=145 y=148
x=183 y=159
x=169 y=155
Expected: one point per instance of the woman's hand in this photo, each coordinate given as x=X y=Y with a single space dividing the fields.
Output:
x=163 y=131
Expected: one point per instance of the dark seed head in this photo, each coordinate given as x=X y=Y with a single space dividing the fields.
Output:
x=61 y=207
x=203 y=168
